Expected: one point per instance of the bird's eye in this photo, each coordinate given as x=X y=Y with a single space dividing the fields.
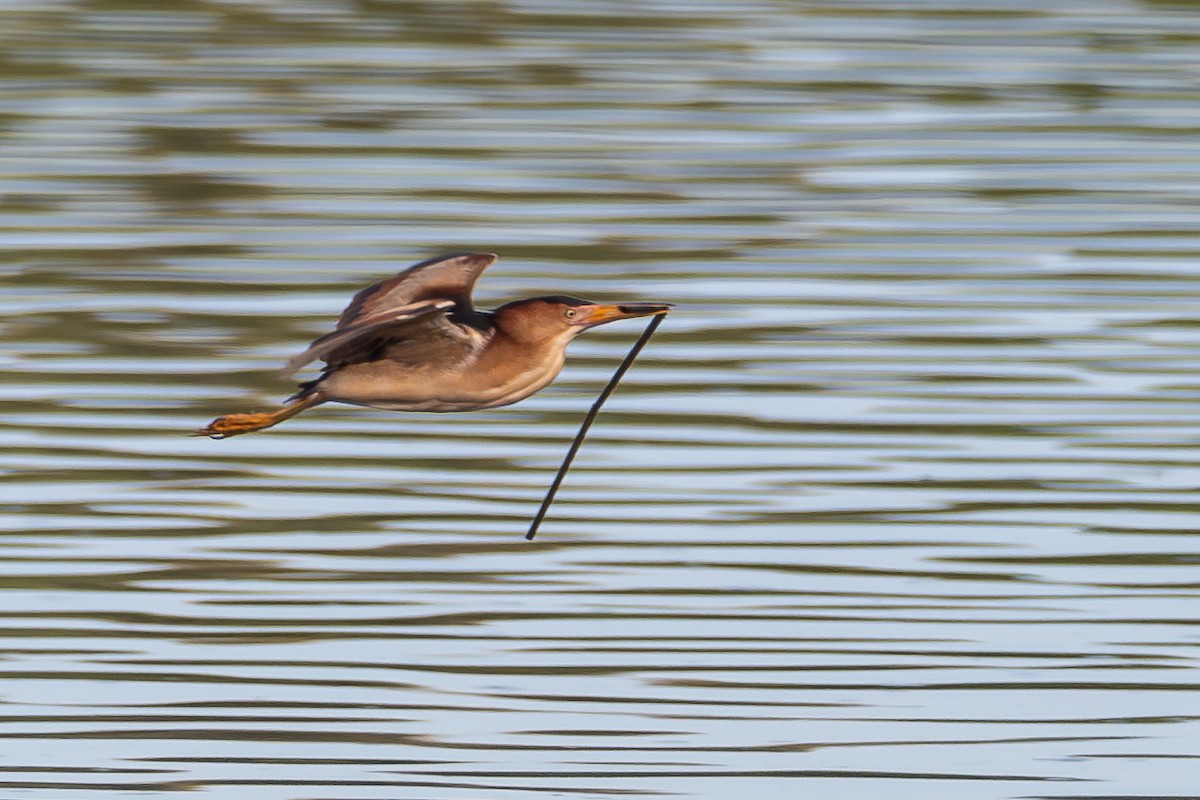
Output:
x=569 y=313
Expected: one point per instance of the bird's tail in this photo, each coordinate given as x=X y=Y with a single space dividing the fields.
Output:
x=234 y=424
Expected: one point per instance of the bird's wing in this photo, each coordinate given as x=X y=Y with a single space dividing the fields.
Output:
x=451 y=277
x=424 y=323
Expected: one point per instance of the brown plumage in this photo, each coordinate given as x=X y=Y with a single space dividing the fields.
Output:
x=415 y=342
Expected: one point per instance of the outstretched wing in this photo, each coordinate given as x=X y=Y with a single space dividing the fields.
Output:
x=426 y=319
x=450 y=277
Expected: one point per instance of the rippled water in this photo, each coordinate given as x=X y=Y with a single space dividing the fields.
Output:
x=900 y=502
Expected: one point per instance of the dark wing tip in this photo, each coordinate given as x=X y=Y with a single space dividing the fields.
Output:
x=339 y=342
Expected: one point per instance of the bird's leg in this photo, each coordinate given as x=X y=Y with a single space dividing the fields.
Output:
x=234 y=424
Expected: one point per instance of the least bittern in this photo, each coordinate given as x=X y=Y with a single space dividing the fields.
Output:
x=415 y=342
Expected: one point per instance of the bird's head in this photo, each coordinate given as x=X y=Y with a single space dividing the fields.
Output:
x=558 y=318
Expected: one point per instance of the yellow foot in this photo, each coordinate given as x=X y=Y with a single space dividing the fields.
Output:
x=235 y=424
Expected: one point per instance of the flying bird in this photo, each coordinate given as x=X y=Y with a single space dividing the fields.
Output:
x=415 y=342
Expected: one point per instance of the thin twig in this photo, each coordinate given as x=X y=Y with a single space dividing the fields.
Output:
x=587 y=421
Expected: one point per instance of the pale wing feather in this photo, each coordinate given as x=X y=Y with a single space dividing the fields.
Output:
x=451 y=277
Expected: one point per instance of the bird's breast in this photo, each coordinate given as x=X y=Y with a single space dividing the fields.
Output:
x=496 y=377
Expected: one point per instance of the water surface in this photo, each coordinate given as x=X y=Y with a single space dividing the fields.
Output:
x=900 y=501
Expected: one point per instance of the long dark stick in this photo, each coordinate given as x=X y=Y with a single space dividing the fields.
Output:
x=587 y=421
